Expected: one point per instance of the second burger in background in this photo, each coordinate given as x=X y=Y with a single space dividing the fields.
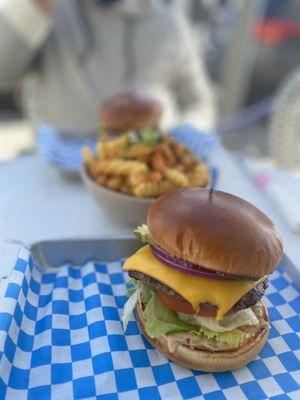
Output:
x=130 y=111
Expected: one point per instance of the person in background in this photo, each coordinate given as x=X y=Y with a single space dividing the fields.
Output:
x=84 y=51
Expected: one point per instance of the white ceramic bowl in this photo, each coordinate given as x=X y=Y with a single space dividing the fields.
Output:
x=131 y=210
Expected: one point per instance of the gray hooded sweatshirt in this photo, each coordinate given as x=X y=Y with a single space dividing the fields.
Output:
x=82 y=54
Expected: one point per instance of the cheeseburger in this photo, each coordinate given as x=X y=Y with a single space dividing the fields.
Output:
x=130 y=111
x=199 y=281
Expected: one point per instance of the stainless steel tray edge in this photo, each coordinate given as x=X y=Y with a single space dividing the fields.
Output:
x=54 y=253
x=291 y=269
x=49 y=254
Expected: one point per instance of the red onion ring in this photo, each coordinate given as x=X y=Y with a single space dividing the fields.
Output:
x=186 y=267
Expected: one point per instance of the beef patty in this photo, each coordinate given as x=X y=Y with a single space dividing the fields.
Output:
x=248 y=300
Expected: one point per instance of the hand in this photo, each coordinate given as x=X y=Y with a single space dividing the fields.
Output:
x=45 y=5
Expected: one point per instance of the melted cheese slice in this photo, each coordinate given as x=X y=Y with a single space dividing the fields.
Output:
x=223 y=294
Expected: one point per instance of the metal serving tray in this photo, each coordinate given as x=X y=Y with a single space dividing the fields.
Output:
x=54 y=253
x=61 y=334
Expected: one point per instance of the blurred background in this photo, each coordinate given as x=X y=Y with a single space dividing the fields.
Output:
x=251 y=52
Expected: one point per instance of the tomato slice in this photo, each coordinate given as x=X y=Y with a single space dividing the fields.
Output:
x=183 y=306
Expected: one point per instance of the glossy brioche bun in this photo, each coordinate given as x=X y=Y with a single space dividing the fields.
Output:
x=206 y=360
x=220 y=231
x=130 y=110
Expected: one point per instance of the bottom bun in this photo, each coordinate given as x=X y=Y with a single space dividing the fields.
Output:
x=206 y=360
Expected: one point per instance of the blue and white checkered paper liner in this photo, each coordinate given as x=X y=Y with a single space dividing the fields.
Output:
x=66 y=152
x=61 y=338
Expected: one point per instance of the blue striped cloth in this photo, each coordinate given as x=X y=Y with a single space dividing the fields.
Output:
x=64 y=152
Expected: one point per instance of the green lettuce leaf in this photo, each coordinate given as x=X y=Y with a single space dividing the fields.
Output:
x=228 y=323
x=160 y=320
x=139 y=290
x=148 y=136
x=143 y=234
x=232 y=338
x=129 y=307
x=146 y=292
x=130 y=292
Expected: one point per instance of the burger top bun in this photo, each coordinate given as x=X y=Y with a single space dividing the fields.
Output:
x=130 y=110
x=218 y=231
